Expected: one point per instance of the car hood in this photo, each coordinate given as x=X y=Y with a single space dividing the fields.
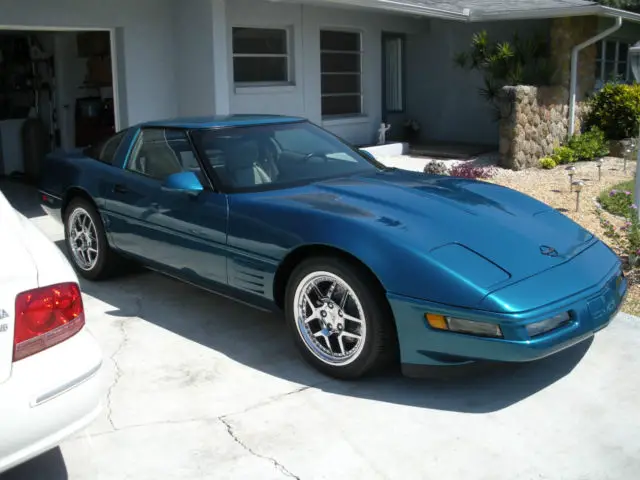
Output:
x=454 y=220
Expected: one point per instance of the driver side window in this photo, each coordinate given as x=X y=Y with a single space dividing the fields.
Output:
x=159 y=153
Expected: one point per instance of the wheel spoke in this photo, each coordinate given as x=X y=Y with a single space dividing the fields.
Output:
x=343 y=301
x=350 y=335
x=351 y=319
x=331 y=290
x=318 y=292
x=341 y=343
x=313 y=307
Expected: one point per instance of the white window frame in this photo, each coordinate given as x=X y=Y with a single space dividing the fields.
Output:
x=290 y=81
x=602 y=60
x=360 y=53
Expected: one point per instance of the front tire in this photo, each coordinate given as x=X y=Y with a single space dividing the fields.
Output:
x=339 y=317
x=87 y=243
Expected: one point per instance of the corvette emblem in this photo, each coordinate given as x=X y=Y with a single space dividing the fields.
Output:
x=548 y=251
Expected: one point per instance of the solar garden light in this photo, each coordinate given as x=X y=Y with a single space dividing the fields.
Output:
x=599 y=163
x=577 y=187
x=627 y=154
x=572 y=171
x=634 y=60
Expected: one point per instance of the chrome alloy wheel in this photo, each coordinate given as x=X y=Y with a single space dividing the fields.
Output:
x=83 y=239
x=330 y=318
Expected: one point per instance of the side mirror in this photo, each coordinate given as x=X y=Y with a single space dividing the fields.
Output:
x=368 y=155
x=183 y=182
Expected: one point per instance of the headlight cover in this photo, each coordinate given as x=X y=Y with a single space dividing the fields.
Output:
x=540 y=328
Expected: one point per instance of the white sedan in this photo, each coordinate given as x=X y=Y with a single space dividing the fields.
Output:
x=49 y=362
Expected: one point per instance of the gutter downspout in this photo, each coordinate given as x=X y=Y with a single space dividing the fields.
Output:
x=574 y=70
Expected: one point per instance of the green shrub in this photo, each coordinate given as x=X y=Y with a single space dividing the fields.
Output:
x=615 y=109
x=547 y=163
x=619 y=199
x=563 y=155
x=590 y=145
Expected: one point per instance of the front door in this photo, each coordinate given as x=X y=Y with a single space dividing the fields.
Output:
x=181 y=233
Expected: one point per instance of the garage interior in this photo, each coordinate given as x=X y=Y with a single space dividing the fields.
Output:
x=56 y=92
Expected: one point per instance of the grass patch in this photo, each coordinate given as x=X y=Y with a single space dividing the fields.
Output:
x=618 y=199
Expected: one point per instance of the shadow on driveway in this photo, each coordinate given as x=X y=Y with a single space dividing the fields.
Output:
x=261 y=341
x=48 y=466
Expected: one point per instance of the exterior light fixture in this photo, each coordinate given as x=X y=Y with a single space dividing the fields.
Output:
x=599 y=163
x=578 y=185
x=571 y=171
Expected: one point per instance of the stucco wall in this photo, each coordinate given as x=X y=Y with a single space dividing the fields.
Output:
x=443 y=97
x=193 y=57
x=145 y=41
x=304 y=98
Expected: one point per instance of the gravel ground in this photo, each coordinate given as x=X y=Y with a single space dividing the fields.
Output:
x=553 y=188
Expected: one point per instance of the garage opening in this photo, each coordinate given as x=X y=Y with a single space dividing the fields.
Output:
x=56 y=92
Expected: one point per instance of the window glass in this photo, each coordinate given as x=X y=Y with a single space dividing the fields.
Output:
x=394 y=74
x=261 y=55
x=251 y=41
x=106 y=151
x=341 y=67
x=160 y=152
x=612 y=62
x=277 y=155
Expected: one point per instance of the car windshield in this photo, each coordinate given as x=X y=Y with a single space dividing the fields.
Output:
x=273 y=156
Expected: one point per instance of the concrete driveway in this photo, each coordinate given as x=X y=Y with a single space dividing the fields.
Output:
x=204 y=388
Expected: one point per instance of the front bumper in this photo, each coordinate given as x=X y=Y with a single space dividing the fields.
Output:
x=49 y=397
x=51 y=204
x=421 y=345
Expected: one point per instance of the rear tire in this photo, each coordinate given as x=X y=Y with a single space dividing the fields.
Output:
x=343 y=337
x=86 y=241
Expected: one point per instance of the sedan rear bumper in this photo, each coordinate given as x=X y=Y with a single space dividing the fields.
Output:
x=49 y=397
x=422 y=345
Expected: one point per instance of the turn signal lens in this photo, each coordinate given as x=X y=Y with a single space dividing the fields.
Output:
x=437 y=321
x=459 y=325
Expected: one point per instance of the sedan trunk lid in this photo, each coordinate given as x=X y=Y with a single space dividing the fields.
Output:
x=18 y=273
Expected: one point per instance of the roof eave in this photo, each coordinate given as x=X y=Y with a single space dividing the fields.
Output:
x=399 y=6
x=587 y=10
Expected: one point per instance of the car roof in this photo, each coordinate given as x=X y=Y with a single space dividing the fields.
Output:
x=220 y=121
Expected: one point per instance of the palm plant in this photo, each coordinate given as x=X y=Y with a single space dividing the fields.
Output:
x=520 y=61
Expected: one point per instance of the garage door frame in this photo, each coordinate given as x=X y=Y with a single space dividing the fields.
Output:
x=114 y=57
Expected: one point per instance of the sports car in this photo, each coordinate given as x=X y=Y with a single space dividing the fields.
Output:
x=369 y=264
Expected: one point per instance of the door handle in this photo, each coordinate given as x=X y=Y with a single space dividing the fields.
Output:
x=119 y=188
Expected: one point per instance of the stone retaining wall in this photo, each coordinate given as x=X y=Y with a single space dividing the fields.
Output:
x=535 y=122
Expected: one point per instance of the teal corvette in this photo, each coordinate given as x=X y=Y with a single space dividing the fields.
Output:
x=369 y=264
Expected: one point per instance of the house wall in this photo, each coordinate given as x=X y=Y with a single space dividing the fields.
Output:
x=145 y=35
x=194 y=57
x=443 y=97
x=303 y=98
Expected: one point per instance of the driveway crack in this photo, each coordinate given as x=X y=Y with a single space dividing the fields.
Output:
x=114 y=359
x=277 y=464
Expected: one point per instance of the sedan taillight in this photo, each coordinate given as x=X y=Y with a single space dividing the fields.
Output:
x=46 y=317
